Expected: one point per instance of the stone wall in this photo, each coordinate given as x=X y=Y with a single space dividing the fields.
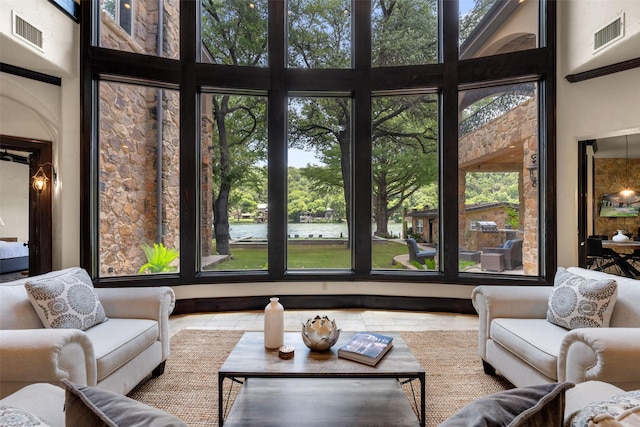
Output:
x=610 y=175
x=129 y=153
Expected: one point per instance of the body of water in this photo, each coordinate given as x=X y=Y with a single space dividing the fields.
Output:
x=333 y=230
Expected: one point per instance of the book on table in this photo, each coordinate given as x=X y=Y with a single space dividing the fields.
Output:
x=366 y=347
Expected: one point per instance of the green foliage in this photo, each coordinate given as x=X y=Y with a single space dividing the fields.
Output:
x=404 y=32
x=159 y=259
x=513 y=218
x=487 y=187
x=313 y=256
x=234 y=32
x=319 y=33
x=430 y=264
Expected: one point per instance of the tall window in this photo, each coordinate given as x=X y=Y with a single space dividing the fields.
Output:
x=319 y=193
x=404 y=177
x=139 y=180
x=233 y=189
x=312 y=138
x=498 y=182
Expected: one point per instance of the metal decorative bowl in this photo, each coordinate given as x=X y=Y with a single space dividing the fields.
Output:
x=320 y=333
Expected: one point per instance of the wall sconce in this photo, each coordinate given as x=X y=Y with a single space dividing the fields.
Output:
x=532 y=167
x=40 y=179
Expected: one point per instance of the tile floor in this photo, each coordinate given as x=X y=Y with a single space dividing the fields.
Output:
x=347 y=320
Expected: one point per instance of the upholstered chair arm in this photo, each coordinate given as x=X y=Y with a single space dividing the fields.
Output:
x=492 y=302
x=45 y=355
x=154 y=303
x=603 y=354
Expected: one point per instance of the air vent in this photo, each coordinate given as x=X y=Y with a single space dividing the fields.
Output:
x=27 y=32
x=609 y=34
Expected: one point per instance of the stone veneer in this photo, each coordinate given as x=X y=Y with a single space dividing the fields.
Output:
x=610 y=175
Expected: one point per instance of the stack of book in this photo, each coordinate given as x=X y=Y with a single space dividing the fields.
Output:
x=366 y=347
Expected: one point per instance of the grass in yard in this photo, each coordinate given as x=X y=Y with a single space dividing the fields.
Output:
x=313 y=256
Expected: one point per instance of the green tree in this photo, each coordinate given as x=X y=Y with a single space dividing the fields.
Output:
x=404 y=128
x=234 y=33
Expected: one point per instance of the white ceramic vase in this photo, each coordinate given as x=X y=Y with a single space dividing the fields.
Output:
x=620 y=237
x=273 y=324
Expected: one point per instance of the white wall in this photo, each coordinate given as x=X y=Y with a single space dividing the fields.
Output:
x=32 y=109
x=591 y=109
x=583 y=18
x=14 y=200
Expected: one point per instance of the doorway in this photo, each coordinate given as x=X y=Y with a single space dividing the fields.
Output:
x=606 y=165
x=39 y=154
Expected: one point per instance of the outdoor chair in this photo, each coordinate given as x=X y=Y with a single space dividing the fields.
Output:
x=416 y=254
x=512 y=251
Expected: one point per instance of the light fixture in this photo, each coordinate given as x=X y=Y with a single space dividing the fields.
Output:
x=39 y=179
x=532 y=167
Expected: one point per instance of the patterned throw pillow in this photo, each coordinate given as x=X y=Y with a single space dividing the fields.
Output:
x=578 y=302
x=14 y=417
x=620 y=410
x=68 y=301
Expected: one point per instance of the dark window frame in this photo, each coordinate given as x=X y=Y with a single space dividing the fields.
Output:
x=448 y=77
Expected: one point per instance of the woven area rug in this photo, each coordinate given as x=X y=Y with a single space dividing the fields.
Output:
x=188 y=388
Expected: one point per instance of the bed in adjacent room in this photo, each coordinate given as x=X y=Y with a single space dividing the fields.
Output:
x=14 y=255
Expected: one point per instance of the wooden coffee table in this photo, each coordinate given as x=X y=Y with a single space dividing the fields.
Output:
x=285 y=392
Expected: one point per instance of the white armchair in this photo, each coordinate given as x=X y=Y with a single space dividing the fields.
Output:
x=517 y=341
x=115 y=355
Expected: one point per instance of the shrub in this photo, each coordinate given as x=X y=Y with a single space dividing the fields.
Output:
x=159 y=259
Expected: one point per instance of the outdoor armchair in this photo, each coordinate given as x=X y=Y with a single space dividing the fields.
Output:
x=416 y=254
x=512 y=251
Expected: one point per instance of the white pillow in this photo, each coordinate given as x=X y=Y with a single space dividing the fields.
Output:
x=68 y=301
x=620 y=410
x=10 y=417
x=577 y=302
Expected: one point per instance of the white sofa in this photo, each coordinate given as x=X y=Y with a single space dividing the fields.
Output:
x=517 y=341
x=115 y=355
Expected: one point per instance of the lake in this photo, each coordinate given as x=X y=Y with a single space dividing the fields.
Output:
x=334 y=230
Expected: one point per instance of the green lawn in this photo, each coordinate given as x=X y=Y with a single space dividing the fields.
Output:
x=312 y=256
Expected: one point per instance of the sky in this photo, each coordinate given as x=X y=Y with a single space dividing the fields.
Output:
x=466 y=6
x=300 y=158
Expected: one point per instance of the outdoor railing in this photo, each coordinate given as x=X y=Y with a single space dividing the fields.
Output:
x=499 y=106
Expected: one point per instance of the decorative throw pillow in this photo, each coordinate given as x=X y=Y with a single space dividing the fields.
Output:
x=578 y=302
x=68 y=301
x=91 y=406
x=541 y=405
x=14 y=417
x=620 y=410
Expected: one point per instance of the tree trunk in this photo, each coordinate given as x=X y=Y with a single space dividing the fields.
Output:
x=221 y=221
x=221 y=204
x=381 y=213
x=345 y=167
